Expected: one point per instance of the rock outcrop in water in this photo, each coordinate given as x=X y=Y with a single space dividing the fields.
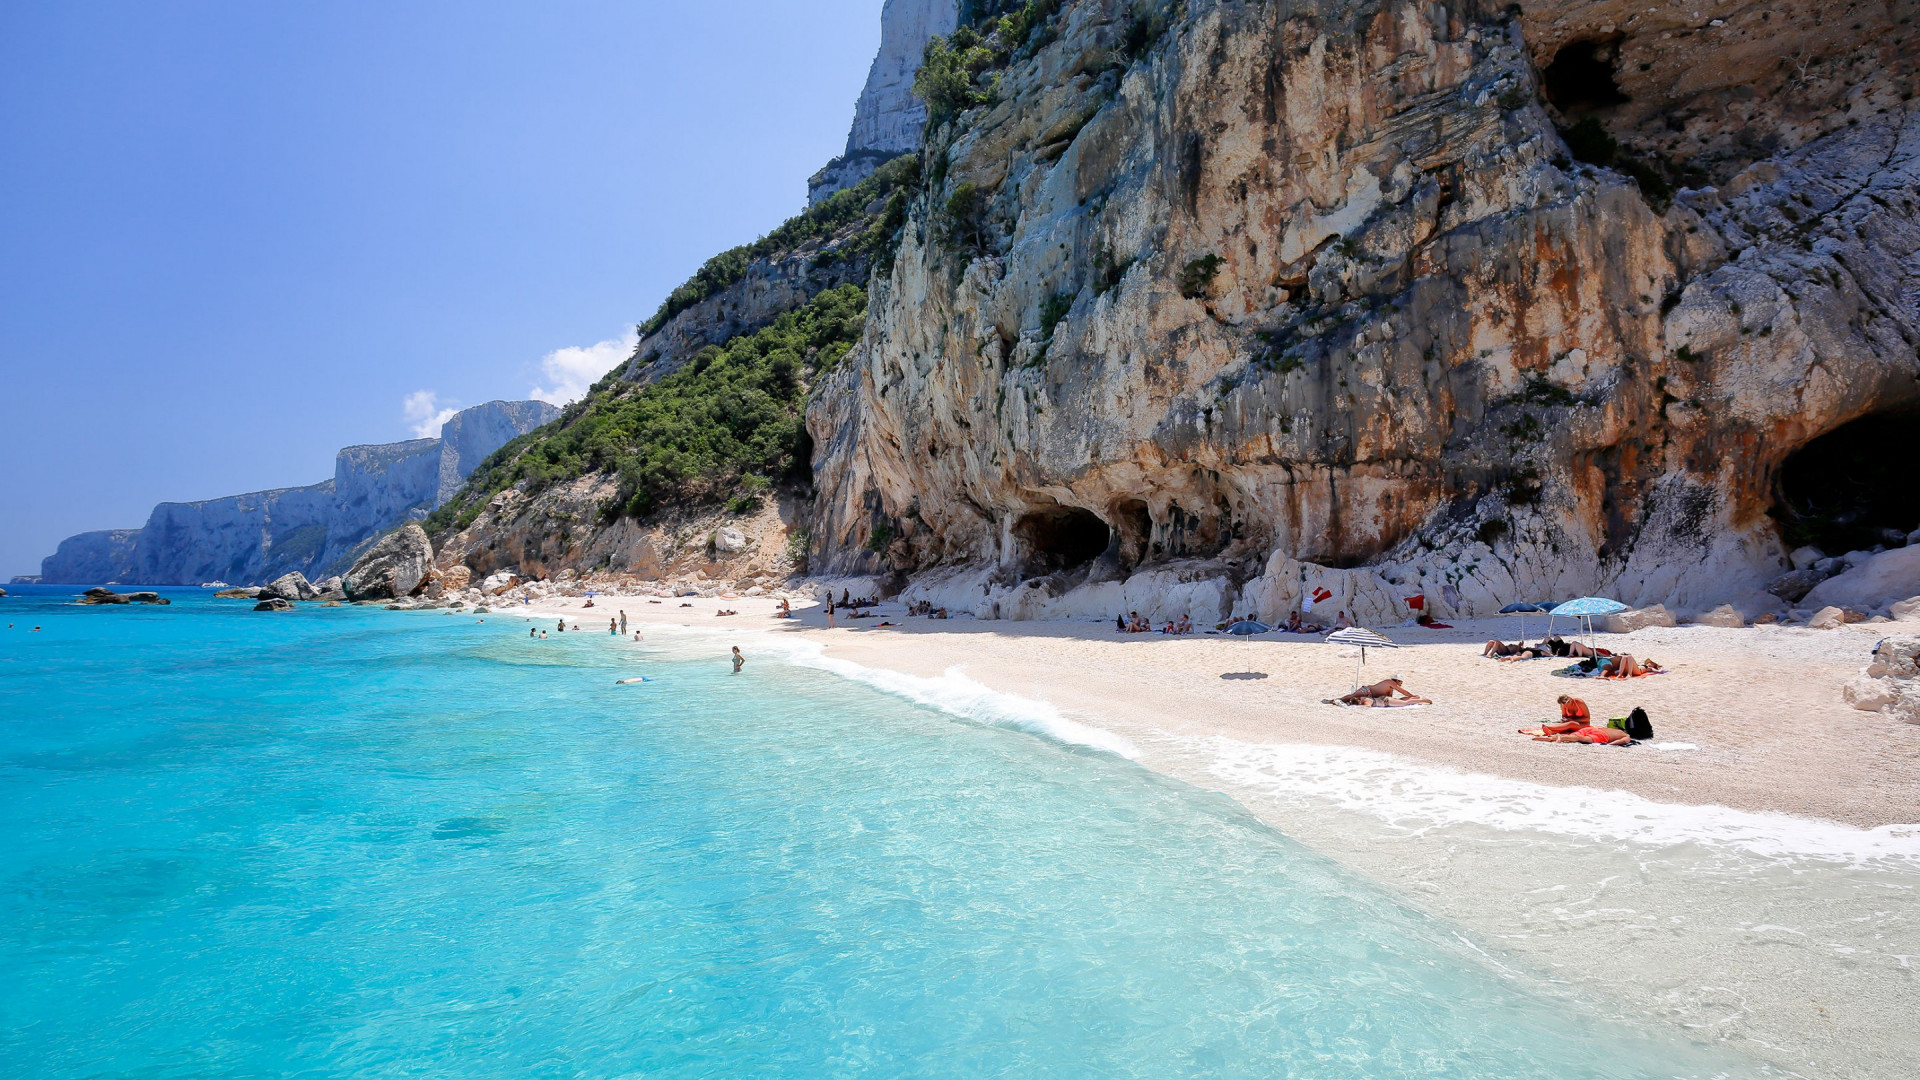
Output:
x=315 y=530
x=398 y=566
x=1221 y=302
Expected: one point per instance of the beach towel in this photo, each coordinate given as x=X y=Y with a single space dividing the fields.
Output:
x=1352 y=705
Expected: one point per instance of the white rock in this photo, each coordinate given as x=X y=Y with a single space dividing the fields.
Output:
x=1626 y=622
x=1827 y=618
x=1724 y=615
x=1906 y=609
x=1872 y=581
x=1802 y=558
x=1868 y=695
x=729 y=540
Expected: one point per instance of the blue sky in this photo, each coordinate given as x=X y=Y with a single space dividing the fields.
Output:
x=235 y=237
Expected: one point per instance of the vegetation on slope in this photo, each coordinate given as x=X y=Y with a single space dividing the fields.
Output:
x=953 y=73
x=732 y=420
x=835 y=214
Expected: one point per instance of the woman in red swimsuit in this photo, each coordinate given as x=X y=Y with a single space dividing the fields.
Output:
x=1576 y=725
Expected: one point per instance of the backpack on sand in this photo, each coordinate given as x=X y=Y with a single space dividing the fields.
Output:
x=1638 y=725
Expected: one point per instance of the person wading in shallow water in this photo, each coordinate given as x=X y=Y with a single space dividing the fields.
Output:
x=737 y=659
x=613 y=628
x=623 y=623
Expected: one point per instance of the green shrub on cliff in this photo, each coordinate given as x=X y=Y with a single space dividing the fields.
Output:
x=952 y=72
x=830 y=218
x=731 y=416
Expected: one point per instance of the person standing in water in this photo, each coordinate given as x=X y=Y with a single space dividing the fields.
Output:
x=737 y=659
x=829 y=610
x=563 y=627
x=623 y=623
x=613 y=628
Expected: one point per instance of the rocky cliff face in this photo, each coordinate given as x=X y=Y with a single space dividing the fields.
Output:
x=471 y=434
x=888 y=120
x=1392 y=300
x=315 y=530
x=105 y=556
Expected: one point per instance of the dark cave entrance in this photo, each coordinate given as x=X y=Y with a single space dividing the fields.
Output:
x=1851 y=489
x=1061 y=538
x=1580 y=80
x=1133 y=527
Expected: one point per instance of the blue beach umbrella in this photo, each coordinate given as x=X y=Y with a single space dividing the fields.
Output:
x=1248 y=628
x=1586 y=608
x=1522 y=610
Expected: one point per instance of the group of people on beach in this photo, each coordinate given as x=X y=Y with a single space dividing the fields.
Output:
x=1594 y=662
x=1133 y=623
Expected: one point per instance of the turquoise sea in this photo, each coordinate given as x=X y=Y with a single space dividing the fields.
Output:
x=359 y=843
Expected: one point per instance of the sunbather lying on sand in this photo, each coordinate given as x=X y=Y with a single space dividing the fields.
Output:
x=1380 y=696
x=1501 y=648
x=1624 y=666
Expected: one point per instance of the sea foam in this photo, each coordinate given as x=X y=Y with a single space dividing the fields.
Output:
x=1417 y=796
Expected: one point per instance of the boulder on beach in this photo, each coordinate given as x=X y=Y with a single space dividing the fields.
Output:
x=293 y=586
x=1626 y=622
x=1890 y=683
x=1827 y=618
x=396 y=567
x=1872 y=582
x=273 y=603
x=1724 y=615
x=456 y=577
x=1794 y=585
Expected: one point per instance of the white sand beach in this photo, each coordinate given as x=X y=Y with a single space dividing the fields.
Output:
x=1760 y=706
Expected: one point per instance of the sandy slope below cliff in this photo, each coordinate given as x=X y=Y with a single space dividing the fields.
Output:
x=1762 y=705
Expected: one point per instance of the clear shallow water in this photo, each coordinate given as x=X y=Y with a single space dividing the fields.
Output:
x=359 y=843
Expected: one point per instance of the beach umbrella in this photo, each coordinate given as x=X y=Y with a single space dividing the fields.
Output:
x=1363 y=637
x=1586 y=608
x=1247 y=628
x=1522 y=610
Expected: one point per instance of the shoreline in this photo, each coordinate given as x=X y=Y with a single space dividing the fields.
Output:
x=1752 y=717
x=1754 y=893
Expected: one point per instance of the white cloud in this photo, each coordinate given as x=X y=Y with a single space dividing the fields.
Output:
x=426 y=413
x=574 y=369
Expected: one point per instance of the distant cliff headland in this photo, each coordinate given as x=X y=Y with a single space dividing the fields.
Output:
x=317 y=530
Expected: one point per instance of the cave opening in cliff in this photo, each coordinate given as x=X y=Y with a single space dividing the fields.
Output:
x=1133 y=525
x=1580 y=80
x=1852 y=488
x=1061 y=538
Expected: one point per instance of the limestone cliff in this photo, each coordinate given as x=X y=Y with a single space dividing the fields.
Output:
x=888 y=120
x=315 y=530
x=1218 y=302
x=105 y=556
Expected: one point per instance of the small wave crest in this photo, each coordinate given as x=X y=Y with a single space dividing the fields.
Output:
x=952 y=692
x=1413 y=795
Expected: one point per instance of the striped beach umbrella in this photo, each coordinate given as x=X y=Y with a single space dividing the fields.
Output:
x=1363 y=637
